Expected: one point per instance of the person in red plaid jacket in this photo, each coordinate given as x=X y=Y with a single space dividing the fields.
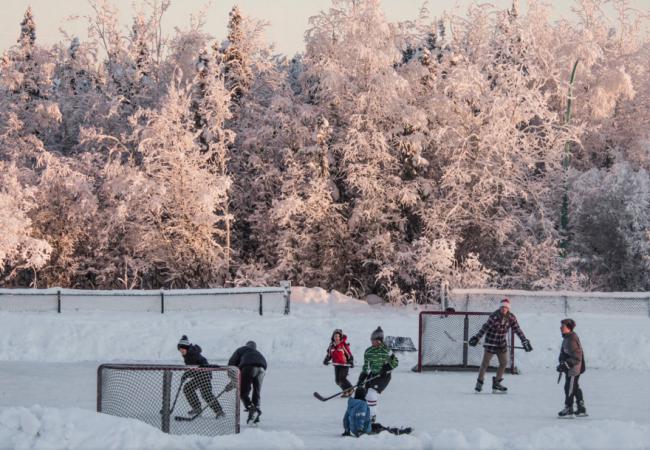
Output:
x=496 y=343
x=340 y=355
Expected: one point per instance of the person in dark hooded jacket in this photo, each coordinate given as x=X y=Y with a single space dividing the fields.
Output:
x=252 y=365
x=200 y=380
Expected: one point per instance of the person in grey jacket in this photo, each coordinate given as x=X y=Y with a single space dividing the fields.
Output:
x=572 y=364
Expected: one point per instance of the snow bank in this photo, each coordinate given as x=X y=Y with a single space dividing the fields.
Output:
x=610 y=342
x=39 y=427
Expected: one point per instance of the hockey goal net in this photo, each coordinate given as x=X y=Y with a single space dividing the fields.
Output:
x=163 y=395
x=443 y=342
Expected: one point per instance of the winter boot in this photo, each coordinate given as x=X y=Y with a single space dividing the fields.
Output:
x=479 y=385
x=254 y=414
x=566 y=413
x=581 y=411
x=497 y=387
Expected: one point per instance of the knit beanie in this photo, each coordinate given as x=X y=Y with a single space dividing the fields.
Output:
x=377 y=335
x=184 y=343
x=251 y=344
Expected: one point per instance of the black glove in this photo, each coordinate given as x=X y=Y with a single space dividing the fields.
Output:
x=563 y=367
x=360 y=393
x=473 y=341
x=362 y=379
x=230 y=386
x=351 y=362
x=527 y=346
x=326 y=361
x=385 y=369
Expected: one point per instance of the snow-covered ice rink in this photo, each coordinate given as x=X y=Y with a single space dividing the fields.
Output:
x=48 y=367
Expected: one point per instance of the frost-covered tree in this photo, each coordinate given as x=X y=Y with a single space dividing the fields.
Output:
x=26 y=83
x=169 y=222
x=610 y=224
x=19 y=249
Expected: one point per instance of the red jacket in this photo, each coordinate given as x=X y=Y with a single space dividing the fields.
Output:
x=340 y=354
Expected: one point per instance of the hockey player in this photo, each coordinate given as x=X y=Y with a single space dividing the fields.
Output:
x=357 y=419
x=378 y=362
x=339 y=354
x=495 y=330
x=253 y=368
x=198 y=379
x=572 y=363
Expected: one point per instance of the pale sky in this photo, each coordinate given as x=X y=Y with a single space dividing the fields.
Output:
x=288 y=18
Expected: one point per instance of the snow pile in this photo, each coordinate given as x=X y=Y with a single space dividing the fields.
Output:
x=74 y=428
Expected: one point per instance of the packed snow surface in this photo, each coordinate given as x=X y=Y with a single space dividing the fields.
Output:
x=48 y=364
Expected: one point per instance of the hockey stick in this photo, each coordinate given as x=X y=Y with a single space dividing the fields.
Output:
x=491 y=345
x=559 y=377
x=175 y=398
x=324 y=399
x=189 y=419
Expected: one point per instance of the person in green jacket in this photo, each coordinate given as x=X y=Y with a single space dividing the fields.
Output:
x=378 y=362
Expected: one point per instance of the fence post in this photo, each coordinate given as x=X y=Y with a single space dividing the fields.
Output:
x=166 y=395
x=162 y=302
x=58 y=301
x=261 y=296
x=465 y=340
x=648 y=306
x=466 y=302
x=287 y=296
x=566 y=305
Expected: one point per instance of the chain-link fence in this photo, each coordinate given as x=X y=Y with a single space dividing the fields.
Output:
x=443 y=341
x=261 y=300
x=176 y=399
x=561 y=302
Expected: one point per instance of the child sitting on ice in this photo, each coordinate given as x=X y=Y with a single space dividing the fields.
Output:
x=357 y=419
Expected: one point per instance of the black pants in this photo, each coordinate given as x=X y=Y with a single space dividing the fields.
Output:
x=378 y=384
x=251 y=377
x=572 y=391
x=341 y=377
x=203 y=383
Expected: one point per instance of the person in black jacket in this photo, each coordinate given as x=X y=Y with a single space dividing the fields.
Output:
x=253 y=368
x=198 y=379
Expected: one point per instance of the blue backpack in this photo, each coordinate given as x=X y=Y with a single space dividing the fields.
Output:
x=357 y=417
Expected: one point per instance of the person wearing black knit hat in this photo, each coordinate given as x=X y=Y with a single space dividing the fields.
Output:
x=200 y=380
x=378 y=363
x=572 y=363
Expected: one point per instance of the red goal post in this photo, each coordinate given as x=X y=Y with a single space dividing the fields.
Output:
x=443 y=342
